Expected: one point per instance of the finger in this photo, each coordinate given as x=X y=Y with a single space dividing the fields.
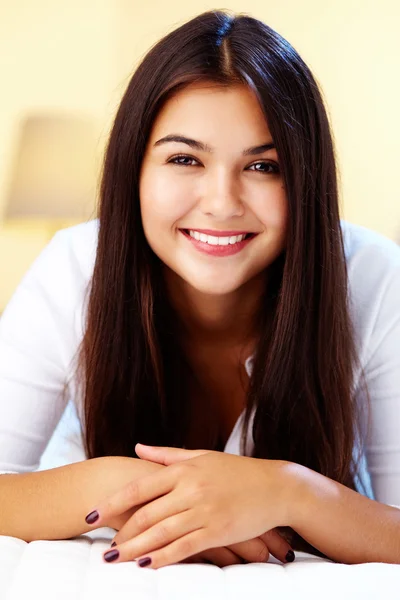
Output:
x=149 y=515
x=165 y=455
x=194 y=542
x=222 y=557
x=119 y=521
x=160 y=536
x=138 y=491
x=254 y=550
x=278 y=546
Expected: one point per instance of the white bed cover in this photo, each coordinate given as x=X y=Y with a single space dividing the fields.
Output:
x=75 y=570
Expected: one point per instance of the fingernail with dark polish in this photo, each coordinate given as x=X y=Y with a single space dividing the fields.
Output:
x=92 y=517
x=113 y=544
x=290 y=556
x=111 y=555
x=144 y=562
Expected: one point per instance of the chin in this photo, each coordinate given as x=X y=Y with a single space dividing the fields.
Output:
x=213 y=288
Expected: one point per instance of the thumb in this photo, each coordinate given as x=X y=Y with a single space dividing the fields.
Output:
x=166 y=455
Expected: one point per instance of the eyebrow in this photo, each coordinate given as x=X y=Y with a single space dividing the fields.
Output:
x=205 y=148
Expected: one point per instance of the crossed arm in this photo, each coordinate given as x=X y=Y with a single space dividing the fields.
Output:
x=343 y=524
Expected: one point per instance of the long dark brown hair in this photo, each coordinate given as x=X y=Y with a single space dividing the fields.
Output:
x=131 y=365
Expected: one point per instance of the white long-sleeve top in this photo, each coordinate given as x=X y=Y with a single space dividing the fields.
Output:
x=43 y=324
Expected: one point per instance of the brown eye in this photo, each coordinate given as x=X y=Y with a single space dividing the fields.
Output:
x=178 y=160
x=273 y=166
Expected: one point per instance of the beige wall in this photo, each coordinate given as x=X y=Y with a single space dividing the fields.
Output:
x=78 y=56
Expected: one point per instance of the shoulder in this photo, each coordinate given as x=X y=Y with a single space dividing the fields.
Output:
x=57 y=280
x=367 y=248
x=373 y=264
x=64 y=267
x=43 y=320
x=78 y=246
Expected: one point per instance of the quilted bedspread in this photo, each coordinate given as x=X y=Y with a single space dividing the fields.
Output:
x=75 y=570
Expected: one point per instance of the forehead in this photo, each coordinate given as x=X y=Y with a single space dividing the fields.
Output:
x=207 y=108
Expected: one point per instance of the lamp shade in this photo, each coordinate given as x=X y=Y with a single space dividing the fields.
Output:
x=54 y=175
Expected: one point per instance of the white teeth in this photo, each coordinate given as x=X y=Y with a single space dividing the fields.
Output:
x=223 y=241
x=217 y=241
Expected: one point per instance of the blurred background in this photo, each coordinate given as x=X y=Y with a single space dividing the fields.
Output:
x=64 y=66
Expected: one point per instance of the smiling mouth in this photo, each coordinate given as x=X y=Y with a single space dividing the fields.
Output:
x=247 y=236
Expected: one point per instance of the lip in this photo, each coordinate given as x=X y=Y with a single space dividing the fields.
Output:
x=217 y=250
x=217 y=232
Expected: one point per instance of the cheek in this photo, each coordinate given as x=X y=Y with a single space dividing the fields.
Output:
x=273 y=210
x=162 y=201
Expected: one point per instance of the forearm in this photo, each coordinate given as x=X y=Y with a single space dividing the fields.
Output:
x=343 y=524
x=52 y=504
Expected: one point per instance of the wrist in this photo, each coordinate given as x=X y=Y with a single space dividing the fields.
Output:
x=296 y=492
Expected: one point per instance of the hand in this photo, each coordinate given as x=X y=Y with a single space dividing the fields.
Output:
x=138 y=468
x=202 y=502
x=253 y=551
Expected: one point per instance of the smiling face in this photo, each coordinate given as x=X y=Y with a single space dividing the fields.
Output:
x=213 y=184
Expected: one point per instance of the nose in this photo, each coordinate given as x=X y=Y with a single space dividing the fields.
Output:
x=221 y=197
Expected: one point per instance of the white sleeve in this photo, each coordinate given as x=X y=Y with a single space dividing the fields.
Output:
x=382 y=372
x=35 y=330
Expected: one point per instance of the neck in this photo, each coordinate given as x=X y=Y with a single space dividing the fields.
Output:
x=217 y=321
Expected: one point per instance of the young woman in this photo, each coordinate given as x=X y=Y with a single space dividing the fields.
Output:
x=220 y=310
